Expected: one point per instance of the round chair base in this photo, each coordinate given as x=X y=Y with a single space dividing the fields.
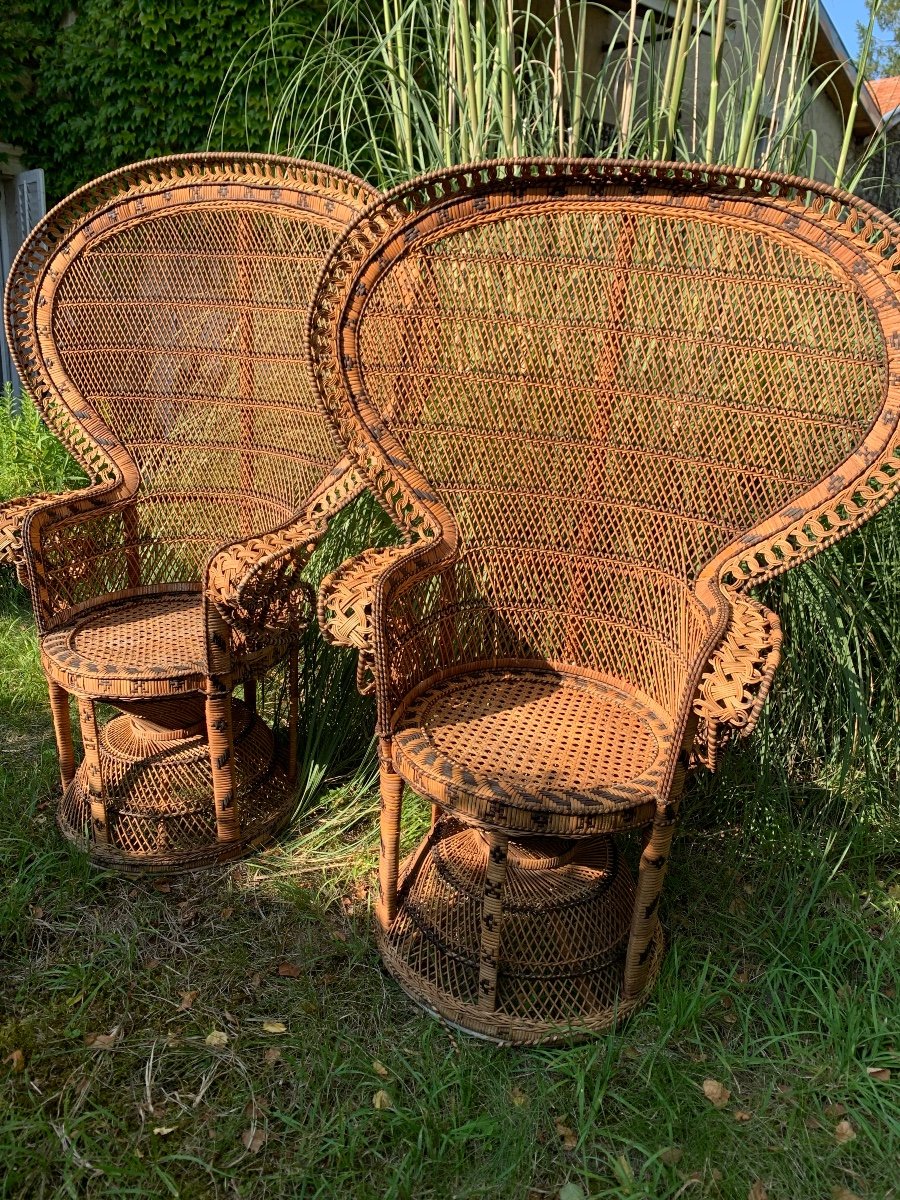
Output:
x=566 y=916
x=159 y=796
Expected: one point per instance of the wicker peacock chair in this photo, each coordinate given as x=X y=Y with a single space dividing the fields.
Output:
x=601 y=400
x=158 y=318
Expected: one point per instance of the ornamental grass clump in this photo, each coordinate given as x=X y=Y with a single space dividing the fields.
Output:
x=404 y=87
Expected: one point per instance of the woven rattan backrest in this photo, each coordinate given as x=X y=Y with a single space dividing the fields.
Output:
x=613 y=378
x=158 y=317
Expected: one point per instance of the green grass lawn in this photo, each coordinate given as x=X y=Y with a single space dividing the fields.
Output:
x=780 y=984
x=324 y=1080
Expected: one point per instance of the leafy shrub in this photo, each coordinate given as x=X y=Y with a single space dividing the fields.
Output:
x=130 y=79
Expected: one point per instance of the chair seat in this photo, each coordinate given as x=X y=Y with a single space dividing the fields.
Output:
x=152 y=644
x=535 y=749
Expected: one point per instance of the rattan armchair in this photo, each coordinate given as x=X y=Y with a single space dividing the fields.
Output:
x=158 y=318
x=601 y=400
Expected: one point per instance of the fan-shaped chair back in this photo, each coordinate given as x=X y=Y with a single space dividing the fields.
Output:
x=607 y=382
x=158 y=318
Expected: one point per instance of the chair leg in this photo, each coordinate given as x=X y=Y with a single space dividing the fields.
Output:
x=492 y=920
x=221 y=756
x=645 y=918
x=62 y=728
x=90 y=737
x=293 y=711
x=391 y=788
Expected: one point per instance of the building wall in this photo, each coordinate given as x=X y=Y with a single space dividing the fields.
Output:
x=823 y=118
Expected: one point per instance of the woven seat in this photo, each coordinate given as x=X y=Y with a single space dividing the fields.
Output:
x=129 y=647
x=600 y=401
x=468 y=743
x=157 y=317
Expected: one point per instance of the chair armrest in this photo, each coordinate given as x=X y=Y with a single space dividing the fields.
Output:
x=12 y=518
x=346 y=604
x=734 y=689
x=256 y=583
x=73 y=547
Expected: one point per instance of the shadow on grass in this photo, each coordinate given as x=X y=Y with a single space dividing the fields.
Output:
x=780 y=983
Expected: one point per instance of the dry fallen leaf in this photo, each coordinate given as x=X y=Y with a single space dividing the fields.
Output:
x=288 y=970
x=757 y=1192
x=152 y=963
x=741 y=1114
x=567 y=1134
x=161 y=885
x=380 y=1069
x=571 y=1191
x=253 y=1139
x=103 y=1041
x=272 y=1055
x=882 y=1074
x=226 y=913
x=187 y=1000
x=844 y=1132
x=671 y=1155
x=834 y=1110
x=382 y=1100
x=164 y=1130
x=218 y=1038
x=841 y=1193
x=274 y=1027
x=16 y=1061
x=716 y=1093
x=518 y=1097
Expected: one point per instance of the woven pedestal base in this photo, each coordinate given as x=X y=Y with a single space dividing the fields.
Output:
x=567 y=909
x=158 y=787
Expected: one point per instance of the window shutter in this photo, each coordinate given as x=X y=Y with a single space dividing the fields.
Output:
x=30 y=202
x=25 y=207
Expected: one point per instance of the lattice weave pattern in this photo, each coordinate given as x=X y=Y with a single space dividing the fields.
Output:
x=159 y=322
x=599 y=399
x=158 y=318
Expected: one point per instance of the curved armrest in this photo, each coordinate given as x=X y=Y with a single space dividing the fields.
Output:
x=256 y=585
x=734 y=689
x=346 y=604
x=12 y=518
x=72 y=544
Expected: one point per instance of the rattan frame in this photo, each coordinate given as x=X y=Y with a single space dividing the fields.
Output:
x=376 y=602
x=247 y=593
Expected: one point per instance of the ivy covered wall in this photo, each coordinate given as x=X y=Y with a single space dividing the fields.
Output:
x=89 y=85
